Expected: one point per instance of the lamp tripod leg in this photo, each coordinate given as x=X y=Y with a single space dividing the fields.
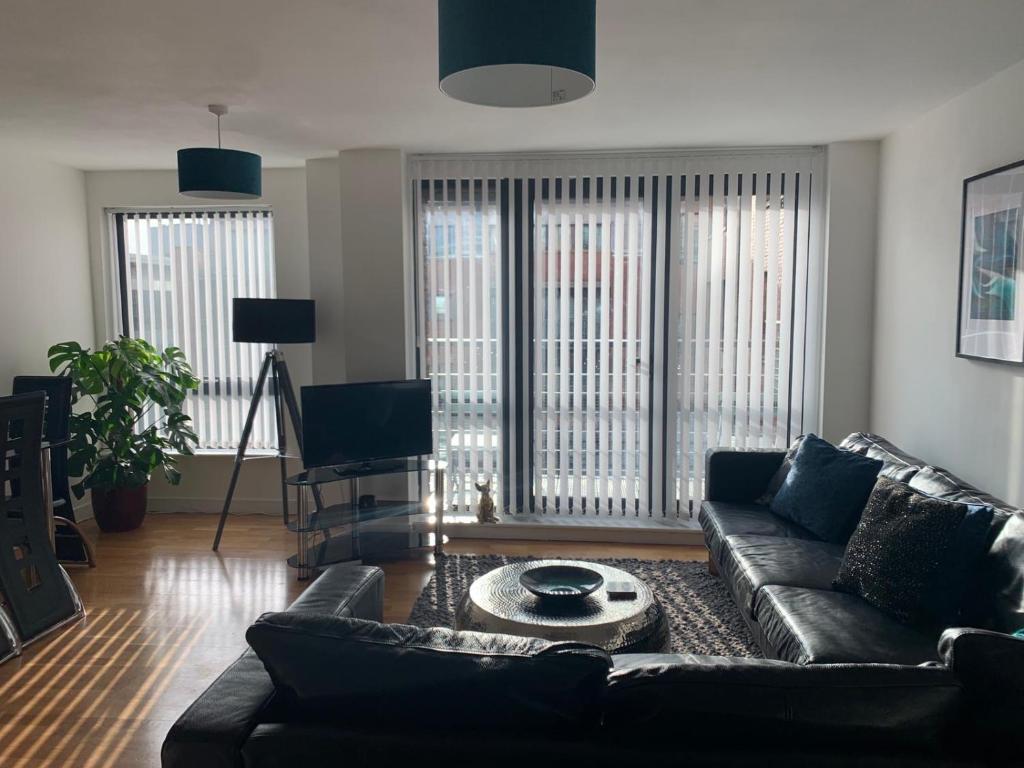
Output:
x=243 y=444
x=287 y=393
x=282 y=432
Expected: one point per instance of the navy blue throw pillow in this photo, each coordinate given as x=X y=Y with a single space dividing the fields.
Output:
x=826 y=489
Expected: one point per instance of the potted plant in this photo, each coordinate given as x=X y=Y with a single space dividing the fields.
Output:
x=134 y=426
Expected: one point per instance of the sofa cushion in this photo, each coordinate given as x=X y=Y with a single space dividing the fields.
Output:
x=897 y=464
x=826 y=489
x=355 y=671
x=721 y=519
x=996 y=597
x=780 y=474
x=751 y=562
x=936 y=481
x=774 y=701
x=817 y=626
x=911 y=555
x=996 y=593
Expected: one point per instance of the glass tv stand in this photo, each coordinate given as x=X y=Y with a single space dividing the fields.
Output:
x=342 y=532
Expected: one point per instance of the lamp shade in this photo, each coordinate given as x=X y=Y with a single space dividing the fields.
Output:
x=227 y=174
x=528 y=53
x=274 y=321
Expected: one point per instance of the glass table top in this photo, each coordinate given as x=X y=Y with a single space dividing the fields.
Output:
x=323 y=475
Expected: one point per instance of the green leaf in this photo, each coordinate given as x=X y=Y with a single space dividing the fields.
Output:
x=128 y=383
x=173 y=476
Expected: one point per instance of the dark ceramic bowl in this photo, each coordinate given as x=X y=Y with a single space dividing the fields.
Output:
x=561 y=581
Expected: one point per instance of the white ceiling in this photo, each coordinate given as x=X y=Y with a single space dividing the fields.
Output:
x=124 y=83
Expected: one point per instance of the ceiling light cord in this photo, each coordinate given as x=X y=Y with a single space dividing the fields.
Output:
x=219 y=110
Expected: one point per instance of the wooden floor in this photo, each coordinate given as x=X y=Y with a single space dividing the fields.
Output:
x=165 y=616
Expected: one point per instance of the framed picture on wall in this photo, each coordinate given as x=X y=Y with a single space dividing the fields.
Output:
x=990 y=317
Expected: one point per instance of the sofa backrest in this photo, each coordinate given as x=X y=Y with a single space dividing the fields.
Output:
x=768 y=702
x=364 y=673
x=996 y=598
x=897 y=465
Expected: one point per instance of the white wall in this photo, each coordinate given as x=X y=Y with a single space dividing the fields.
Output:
x=341 y=232
x=45 y=288
x=323 y=193
x=45 y=283
x=852 y=205
x=965 y=415
x=373 y=198
x=205 y=477
x=351 y=206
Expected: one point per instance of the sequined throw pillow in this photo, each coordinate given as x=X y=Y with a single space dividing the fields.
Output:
x=911 y=555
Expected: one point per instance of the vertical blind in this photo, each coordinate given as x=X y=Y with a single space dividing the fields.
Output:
x=591 y=278
x=459 y=273
x=592 y=325
x=174 y=275
x=744 y=311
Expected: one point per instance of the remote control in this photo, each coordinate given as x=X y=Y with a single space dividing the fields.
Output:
x=621 y=590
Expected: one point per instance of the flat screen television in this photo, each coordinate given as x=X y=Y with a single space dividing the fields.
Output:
x=350 y=423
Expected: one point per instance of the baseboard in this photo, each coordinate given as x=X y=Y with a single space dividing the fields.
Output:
x=618 y=531
x=619 y=534
x=214 y=506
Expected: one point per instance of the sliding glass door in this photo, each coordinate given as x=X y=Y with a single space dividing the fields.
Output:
x=458 y=300
x=593 y=325
x=744 y=313
x=590 y=336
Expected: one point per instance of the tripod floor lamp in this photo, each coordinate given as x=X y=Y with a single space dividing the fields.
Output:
x=270 y=321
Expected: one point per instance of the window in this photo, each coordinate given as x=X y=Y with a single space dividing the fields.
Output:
x=589 y=436
x=593 y=326
x=175 y=274
x=745 y=286
x=460 y=270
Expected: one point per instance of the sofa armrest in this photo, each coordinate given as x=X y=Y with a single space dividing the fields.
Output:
x=346 y=591
x=739 y=476
x=211 y=732
x=991 y=667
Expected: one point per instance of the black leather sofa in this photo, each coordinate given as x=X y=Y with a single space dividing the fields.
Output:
x=780 y=575
x=821 y=698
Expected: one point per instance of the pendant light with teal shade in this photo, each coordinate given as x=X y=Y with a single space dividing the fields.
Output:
x=218 y=173
x=527 y=53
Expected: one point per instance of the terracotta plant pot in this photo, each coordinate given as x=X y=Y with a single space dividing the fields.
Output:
x=120 y=509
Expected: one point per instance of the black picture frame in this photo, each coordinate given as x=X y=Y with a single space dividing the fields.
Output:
x=993 y=328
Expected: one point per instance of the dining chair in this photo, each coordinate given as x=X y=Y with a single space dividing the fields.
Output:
x=39 y=595
x=70 y=544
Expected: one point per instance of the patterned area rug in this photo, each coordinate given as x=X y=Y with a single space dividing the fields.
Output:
x=702 y=616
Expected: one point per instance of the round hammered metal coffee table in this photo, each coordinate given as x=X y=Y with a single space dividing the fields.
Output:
x=496 y=602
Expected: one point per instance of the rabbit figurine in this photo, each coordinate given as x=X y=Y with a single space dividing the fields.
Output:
x=485 y=510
